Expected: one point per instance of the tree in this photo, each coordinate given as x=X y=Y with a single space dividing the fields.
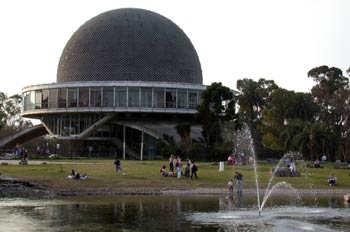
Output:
x=251 y=97
x=311 y=139
x=166 y=145
x=184 y=131
x=330 y=82
x=3 y=115
x=294 y=127
x=218 y=105
x=333 y=95
x=10 y=112
x=282 y=108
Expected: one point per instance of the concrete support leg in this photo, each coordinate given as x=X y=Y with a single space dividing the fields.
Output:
x=124 y=142
x=141 y=151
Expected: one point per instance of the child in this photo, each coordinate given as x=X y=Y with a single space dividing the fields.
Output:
x=187 y=170
x=230 y=186
x=178 y=170
x=332 y=180
x=163 y=171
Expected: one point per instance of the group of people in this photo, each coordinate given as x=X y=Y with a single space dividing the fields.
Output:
x=22 y=153
x=237 y=181
x=241 y=160
x=24 y=159
x=175 y=168
x=317 y=163
x=77 y=176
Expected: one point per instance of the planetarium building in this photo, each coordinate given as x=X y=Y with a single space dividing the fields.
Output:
x=125 y=78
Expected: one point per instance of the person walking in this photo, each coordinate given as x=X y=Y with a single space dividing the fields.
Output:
x=117 y=165
x=194 y=170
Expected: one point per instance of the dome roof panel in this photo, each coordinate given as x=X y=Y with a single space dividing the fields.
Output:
x=129 y=45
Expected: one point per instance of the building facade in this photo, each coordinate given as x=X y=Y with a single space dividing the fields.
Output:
x=125 y=78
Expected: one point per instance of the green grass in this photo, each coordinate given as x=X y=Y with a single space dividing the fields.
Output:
x=145 y=174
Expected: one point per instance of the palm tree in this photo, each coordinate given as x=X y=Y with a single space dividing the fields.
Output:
x=311 y=139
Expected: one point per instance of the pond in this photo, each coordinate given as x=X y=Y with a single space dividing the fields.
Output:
x=173 y=213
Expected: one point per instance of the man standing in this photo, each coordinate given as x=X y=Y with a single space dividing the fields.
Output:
x=117 y=165
x=194 y=170
x=238 y=178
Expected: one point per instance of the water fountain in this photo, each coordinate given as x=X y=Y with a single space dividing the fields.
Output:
x=301 y=216
x=244 y=143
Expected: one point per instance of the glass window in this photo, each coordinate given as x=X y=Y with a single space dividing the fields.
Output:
x=108 y=96
x=95 y=97
x=38 y=98
x=158 y=98
x=65 y=125
x=170 y=98
x=146 y=97
x=62 y=98
x=192 y=100
x=74 y=124
x=200 y=99
x=53 y=96
x=120 y=97
x=45 y=99
x=26 y=101
x=83 y=97
x=133 y=97
x=182 y=99
x=32 y=100
x=72 y=97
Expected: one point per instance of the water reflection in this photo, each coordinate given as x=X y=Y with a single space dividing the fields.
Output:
x=154 y=213
x=232 y=201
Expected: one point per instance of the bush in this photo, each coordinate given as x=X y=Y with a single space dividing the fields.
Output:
x=197 y=151
x=221 y=151
x=166 y=147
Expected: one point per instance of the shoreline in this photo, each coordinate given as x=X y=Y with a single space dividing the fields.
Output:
x=11 y=187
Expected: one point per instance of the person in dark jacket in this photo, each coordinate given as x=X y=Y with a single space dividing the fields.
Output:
x=194 y=170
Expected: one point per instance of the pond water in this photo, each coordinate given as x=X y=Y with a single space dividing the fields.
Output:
x=173 y=213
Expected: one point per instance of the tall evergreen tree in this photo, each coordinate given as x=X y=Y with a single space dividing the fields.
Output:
x=251 y=97
x=217 y=106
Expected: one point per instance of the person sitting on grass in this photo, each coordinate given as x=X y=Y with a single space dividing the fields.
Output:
x=317 y=163
x=72 y=174
x=77 y=176
x=163 y=171
x=83 y=177
x=332 y=180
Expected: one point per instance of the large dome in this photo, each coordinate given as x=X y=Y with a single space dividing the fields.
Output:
x=129 y=45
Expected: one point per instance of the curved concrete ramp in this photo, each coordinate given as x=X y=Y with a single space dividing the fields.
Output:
x=23 y=136
x=128 y=150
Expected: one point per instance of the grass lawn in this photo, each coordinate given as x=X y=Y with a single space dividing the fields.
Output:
x=145 y=174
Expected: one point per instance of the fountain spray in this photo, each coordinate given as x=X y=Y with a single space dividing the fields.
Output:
x=245 y=134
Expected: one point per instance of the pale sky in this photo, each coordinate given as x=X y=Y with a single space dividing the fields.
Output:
x=279 y=40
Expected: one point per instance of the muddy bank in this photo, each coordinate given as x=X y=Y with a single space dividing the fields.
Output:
x=14 y=188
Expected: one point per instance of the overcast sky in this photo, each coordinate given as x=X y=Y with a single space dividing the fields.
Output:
x=272 y=39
